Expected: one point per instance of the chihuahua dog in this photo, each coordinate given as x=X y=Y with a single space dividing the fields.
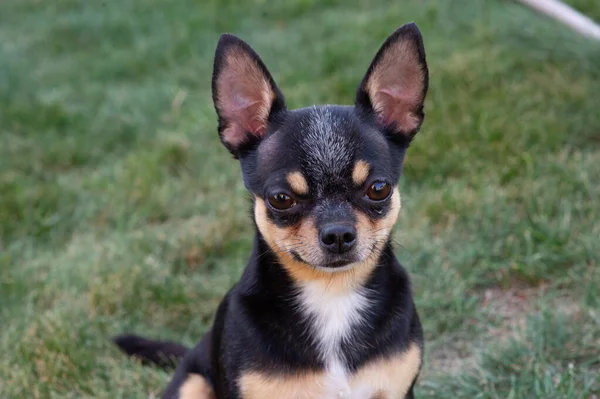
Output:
x=323 y=309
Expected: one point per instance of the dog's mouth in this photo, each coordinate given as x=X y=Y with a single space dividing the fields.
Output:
x=330 y=264
x=337 y=264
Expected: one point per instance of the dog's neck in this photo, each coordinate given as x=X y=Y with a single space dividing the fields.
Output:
x=337 y=320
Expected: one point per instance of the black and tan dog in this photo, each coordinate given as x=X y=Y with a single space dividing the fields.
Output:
x=323 y=309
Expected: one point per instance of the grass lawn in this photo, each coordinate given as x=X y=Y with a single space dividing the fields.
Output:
x=120 y=211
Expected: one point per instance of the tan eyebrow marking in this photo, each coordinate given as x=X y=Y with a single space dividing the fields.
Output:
x=360 y=172
x=298 y=183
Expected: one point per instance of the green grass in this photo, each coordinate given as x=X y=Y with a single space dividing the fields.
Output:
x=120 y=210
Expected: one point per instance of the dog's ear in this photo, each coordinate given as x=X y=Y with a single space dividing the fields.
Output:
x=394 y=87
x=244 y=94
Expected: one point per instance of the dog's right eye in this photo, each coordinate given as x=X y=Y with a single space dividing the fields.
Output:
x=281 y=201
x=379 y=191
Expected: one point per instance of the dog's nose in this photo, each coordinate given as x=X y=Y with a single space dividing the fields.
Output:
x=338 y=238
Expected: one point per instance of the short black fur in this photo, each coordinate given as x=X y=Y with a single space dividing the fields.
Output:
x=260 y=325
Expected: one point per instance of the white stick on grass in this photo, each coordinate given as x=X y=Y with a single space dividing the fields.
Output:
x=566 y=15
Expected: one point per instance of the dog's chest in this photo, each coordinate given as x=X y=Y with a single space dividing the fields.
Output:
x=333 y=317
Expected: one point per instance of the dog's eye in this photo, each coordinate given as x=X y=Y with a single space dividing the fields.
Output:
x=281 y=201
x=378 y=191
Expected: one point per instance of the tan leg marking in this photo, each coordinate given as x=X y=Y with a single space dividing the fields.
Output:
x=360 y=172
x=298 y=386
x=390 y=376
x=298 y=183
x=196 y=387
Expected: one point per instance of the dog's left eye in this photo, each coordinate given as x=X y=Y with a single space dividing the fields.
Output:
x=281 y=201
x=378 y=191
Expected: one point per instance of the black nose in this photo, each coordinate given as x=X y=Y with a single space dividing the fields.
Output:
x=338 y=238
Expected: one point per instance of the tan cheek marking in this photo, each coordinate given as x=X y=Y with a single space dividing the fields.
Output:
x=196 y=387
x=392 y=216
x=271 y=233
x=298 y=183
x=301 y=272
x=360 y=172
x=391 y=376
x=378 y=230
x=307 y=233
x=255 y=385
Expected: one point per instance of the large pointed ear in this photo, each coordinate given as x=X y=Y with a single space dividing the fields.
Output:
x=244 y=94
x=394 y=87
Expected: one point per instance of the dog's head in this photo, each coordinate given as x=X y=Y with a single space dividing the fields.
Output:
x=324 y=178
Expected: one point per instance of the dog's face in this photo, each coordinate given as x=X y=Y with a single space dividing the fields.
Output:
x=324 y=178
x=325 y=188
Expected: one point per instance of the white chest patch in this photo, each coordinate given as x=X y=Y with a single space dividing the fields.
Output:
x=334 y=315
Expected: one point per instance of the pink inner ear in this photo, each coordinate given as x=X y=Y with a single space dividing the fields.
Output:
x=398 y=107
x=243 y=117
x=244 y=98
x=396 y=87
